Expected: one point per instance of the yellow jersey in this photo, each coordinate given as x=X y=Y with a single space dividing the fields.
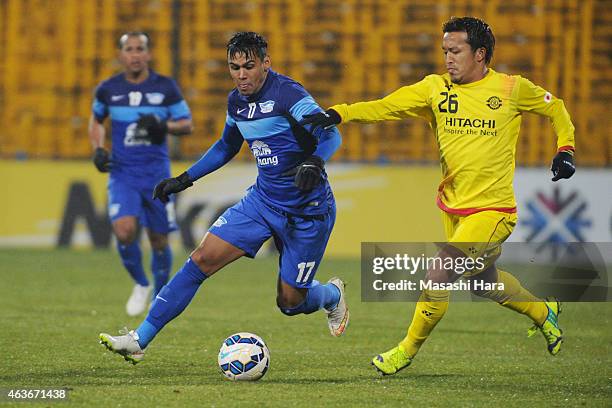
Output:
x=476 y=127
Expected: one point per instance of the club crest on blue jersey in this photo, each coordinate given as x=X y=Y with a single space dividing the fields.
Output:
x=155 y=98
x=220 y=221
x=266 y=107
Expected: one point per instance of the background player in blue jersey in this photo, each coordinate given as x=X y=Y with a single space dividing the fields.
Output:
x=291 y=200
x=143 y=106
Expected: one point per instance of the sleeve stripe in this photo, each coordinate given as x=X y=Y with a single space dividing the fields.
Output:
x=229 y=121
x=303 y=107
x=179 y=110
x=99 y=109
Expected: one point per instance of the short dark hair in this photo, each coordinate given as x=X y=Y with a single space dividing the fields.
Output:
x=129 y=34
x=248 y=43
x=478 y=32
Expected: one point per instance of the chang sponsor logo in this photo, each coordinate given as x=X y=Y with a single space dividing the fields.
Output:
x=263 y=154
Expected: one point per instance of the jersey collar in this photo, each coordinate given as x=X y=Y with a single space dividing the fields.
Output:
x=151 y=77
x=489 y=74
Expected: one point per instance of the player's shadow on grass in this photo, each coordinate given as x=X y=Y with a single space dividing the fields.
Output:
x=107 y=377
x=407 y=376
x=84 y=377
x=311 y=380
x=364 y=378
x=479 y=331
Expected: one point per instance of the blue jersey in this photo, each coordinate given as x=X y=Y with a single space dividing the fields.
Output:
x=260 y=119
x=138 y=162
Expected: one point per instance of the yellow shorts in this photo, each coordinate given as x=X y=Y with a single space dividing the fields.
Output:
x=482 y=233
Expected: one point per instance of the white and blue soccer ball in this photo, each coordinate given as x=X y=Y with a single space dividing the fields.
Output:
x=244 y=357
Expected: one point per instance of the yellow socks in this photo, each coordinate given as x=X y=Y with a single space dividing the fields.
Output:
x=430 y=308
x=432 y=305
x=517 y=298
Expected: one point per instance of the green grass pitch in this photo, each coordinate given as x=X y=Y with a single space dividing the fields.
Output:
x=54 y=303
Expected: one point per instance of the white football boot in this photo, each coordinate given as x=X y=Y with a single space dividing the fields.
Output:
x=338 y=318
x=125 y=345
x=138 y=301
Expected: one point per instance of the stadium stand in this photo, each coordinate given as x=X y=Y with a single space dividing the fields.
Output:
x=56 y=51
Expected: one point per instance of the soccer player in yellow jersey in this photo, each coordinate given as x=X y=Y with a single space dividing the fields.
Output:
x=475 y=113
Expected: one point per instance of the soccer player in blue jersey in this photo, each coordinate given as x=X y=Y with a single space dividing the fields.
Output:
x=291 y=200
x=143 y=106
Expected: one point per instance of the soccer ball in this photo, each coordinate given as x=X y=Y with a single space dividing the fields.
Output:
x=244 y=357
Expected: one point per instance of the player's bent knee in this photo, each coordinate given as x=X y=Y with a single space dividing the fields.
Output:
x=292 y=310
x=125 y=235
x=284 y=301
x=213 y=253
x=207 y=261
x=125 y=230
x=290 y=298
x=291 y=304
x=203 y=261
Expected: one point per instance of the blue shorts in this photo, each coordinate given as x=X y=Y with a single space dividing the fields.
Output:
x=124 y=199
x=301 y=240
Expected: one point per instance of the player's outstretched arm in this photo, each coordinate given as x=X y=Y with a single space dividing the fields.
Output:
x=219 y=153
x=409 y=101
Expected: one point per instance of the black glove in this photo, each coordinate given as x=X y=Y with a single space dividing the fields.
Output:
x=164 y=188
x=151 y=128
x=102 y=160
x=327 y=119
x=563 y=166
x=307 y=174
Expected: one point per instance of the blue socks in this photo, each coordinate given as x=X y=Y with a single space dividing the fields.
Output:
x=161 y=262
x=319 y=296
x=171 y=301
x=132 y=261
